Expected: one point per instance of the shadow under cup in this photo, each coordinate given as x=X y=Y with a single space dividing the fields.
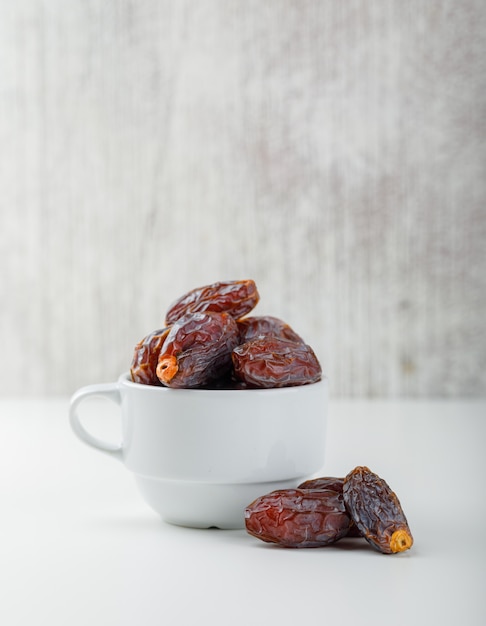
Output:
x=199 y=456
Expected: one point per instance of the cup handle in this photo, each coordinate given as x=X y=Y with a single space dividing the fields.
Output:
x=111 y=391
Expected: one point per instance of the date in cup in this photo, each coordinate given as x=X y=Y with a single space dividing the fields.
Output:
x=200 y=456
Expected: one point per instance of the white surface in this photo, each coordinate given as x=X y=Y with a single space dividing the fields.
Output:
x=79 y=546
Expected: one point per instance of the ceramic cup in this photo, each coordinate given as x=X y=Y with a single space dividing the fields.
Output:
x=199 y=456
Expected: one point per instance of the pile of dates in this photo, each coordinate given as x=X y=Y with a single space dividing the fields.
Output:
x=323 y=510
x=209 y=342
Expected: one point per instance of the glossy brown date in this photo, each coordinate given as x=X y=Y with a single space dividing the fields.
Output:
x=335 y=484
x=298 y=518
x=197 y=350
x=145 y=357
x=376 y=511
x=258 y=327
x=324 y=482
x=235 y=297
x=272 y=362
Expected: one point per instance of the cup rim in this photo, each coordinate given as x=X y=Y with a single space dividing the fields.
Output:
x=125 y=379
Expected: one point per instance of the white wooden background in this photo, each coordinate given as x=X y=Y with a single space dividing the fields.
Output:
x=334 y=151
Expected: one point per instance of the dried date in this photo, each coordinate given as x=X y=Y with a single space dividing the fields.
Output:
x=258 y=327
x=197 y=350
x=235 y=297
x=325 y=482
x=272 y=362
x=145 y=357
x=376 y=511
x=298 y=518
x=335 y=484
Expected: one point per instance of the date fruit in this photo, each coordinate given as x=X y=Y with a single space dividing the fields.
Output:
x=376 y=511
x=235 y=297
x=335 y=484
x=298 y=518
x=273 y=362
x=325 y=482
x=145 y=357
x=197 y=350
x=258 y=327
x=252 y=352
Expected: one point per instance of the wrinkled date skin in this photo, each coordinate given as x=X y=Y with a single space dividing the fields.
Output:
x=272 y=362
x=335 y=484
x=197 y=350
x=376 y=511
x=267 y=352
x=236 y=297
x=298 y=518
x=145 y=357
x=325 y=482
x=258 y=327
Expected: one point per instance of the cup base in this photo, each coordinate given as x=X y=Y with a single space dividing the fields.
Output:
x=205 y=505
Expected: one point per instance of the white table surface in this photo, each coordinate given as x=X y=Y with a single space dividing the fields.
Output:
x=78 y=546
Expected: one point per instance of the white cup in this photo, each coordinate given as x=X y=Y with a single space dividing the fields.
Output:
x=200 y=456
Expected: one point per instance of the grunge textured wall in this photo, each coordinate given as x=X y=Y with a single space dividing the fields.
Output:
x=333 y=151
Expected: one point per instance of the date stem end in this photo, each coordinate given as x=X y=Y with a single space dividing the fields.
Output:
x=400 y=541
x=167 y=368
